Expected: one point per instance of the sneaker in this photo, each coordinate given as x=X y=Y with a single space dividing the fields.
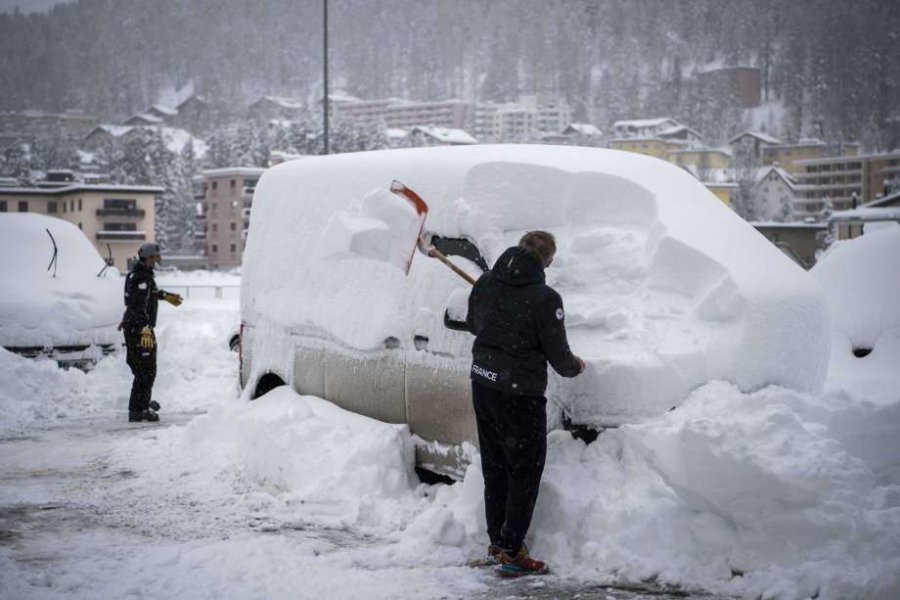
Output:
x=520 y=564
x=491 y=560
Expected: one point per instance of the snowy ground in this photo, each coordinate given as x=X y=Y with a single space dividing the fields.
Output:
x=292 y=498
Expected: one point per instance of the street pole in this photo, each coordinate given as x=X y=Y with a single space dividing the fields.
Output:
x=325 y=69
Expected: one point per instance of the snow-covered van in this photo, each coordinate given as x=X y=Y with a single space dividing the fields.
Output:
x=60 y=299
x=664 y=286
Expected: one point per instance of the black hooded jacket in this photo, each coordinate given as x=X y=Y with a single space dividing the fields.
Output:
x=519 y=325
x=141 y=298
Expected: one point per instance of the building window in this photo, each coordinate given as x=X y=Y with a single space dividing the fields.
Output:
x=215 y=185
x=233 y=226
x=79 y=225
x=233 y=248
x=119 y=204
x=215 y=227
x=2 y=205
x=232 y=185
x=23 y=206
x=119 y=227
x=79 y=205
x=51 y=207
x=215 y=249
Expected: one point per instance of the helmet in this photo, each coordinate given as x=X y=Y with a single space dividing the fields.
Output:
x=148 y=250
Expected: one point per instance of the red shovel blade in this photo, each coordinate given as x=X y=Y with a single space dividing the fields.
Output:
x=421 y=210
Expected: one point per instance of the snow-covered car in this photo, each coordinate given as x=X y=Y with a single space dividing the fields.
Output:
x=664 y=286
x=60 y=299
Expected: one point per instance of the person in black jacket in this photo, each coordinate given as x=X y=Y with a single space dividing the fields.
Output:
x=519 y=325
x=141 y=303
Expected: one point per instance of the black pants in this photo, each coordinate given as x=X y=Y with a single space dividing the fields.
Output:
x=512 y=434
x=142 y=362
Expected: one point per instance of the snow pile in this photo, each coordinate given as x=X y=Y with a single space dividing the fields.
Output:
x=861 y=278
x=40 y=309
x=665 y=287
x=384 y=227
x=734 y=493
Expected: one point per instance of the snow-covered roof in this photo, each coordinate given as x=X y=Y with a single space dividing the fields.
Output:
x=676 y=129
x=763 y=137
x=395 y=134
x=703 y=149
x=445 y=134
x=583 y=129
x=166 y=110
x=867 y=213
x=763 y=172
x=73 y=187
x=883 y=201
x=147 y=118
x=642 y=123
x=113 y=130
x=282 y=101
x=236 y=171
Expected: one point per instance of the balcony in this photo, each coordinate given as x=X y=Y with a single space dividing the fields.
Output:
x=135 y=213
x=121 y=236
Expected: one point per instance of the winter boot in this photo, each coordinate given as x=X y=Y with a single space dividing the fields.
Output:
x=491 y=560
x=154 y=405
x=149 y=415
x=520 y=564
x=134 y=417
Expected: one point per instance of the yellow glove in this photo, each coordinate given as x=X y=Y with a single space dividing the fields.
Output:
x=173 y=299
x=147 y=339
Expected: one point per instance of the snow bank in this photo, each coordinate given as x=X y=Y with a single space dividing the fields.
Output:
x=40 y=309
x=665 y=287
x=733 y=493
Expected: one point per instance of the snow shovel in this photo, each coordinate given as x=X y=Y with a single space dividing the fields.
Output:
x=421 y=243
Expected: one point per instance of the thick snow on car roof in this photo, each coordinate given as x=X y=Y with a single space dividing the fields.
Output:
x=665 y=287
x=74 y=307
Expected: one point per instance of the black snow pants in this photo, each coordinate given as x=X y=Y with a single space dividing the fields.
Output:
x=142 y=362
x=512 y=434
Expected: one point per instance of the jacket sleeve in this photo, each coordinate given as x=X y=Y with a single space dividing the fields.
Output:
x=552 y=335
x=137 y=299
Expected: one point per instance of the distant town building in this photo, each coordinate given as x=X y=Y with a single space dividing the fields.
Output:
x=195 y=115
x=117 y=219
x=225 y=197
x=800 y=241
x=787 y=155
x=275 y=107
x=143 y=119
x=438 y=136
x=750 y=144
x=664 y=128
x=845 y=182
x=395 y=113
x=776 y=193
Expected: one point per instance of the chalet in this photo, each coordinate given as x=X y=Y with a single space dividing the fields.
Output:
x=274 y=107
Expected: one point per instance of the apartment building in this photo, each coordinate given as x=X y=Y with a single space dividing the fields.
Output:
x=117 y=219
x=225 y=197
x=29 y=123
x=787 y=156
x=395 y=113
x=518 y=120
x=844 y=182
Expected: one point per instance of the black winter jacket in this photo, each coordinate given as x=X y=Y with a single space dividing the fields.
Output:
x=141 y=298
x=519 y=325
